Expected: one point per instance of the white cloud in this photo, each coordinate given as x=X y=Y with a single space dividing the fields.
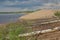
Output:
x=11 y=3
x=16 y=2
x=45 y=4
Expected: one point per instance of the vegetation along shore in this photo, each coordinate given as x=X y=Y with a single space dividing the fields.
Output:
x=12 y=30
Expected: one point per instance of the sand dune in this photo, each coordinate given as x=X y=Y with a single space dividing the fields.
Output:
x=39 y=15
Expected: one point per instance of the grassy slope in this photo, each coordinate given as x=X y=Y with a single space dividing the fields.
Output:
x=12 y=30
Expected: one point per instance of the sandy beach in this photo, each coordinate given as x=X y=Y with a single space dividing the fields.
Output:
x=41 y=14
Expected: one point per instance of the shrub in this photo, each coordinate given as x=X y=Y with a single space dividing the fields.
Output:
x=57 y=14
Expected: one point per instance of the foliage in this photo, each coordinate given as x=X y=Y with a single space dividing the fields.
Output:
x=57 y=14
x=12 y=31
x=16 y=12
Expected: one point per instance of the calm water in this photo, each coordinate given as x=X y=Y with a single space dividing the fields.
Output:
x=7 y=18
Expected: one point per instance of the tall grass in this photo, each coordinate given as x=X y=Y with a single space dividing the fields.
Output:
x=12 y=30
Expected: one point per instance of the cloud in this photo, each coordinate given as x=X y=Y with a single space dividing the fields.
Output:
x=18 y=2
x=18 y=5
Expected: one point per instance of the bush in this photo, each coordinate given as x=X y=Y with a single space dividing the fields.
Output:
x=57 y=14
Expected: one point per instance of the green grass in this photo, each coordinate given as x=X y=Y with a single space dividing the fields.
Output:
x=57 y=13
x=16 y=12
x=12 y=31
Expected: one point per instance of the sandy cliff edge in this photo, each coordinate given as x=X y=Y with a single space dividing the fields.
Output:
x=39 y=15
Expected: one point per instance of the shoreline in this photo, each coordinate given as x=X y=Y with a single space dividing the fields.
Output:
x=39 y=15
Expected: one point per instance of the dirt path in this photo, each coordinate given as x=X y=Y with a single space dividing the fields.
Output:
x=50 y=36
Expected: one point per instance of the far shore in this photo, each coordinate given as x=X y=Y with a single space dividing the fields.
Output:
x=16 y=12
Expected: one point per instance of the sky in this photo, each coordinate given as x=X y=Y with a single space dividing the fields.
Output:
x=24 y=5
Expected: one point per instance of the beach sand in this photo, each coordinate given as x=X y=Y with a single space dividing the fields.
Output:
x=42 y=14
